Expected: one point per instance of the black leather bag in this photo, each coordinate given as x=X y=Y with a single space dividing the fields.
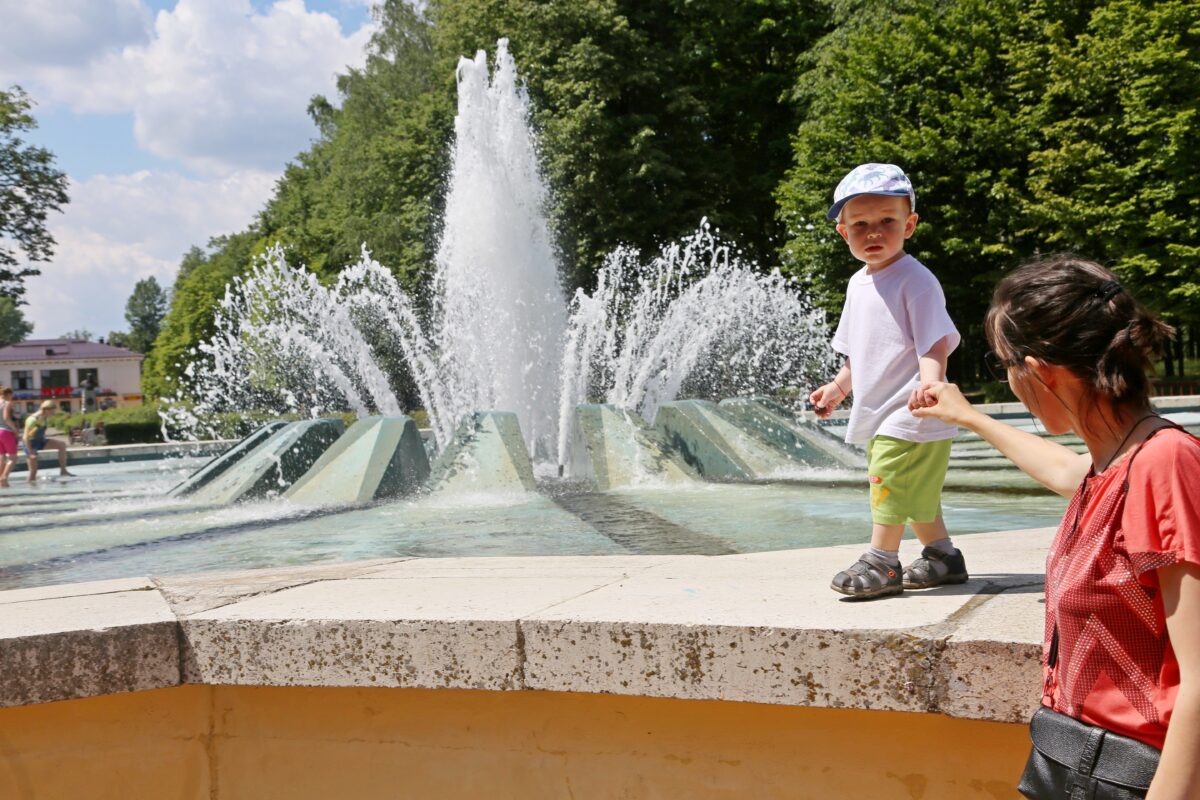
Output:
x=1072 y=760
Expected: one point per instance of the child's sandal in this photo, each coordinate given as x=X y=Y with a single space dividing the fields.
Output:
x=869 y=577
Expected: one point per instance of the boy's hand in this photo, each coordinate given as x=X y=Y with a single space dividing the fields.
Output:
x=825 y=399
x=920 y=398
x=941 y=400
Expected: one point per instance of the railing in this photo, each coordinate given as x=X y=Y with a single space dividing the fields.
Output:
x=1170 y=387
x=57 y=391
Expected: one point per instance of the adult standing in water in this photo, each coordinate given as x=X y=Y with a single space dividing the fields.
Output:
x=1122 y=644
x=36 y=441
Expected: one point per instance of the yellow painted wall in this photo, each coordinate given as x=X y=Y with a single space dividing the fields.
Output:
x=251 y=743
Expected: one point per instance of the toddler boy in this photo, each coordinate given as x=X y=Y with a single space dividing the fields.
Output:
x=895 y=334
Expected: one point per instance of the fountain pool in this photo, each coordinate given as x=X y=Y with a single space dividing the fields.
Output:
x=117 y=519
x=500 y=335
x=114 y=520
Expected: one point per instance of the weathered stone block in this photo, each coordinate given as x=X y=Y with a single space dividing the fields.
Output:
x=378 y=458
x=223 y=462
x=615 y=447
x=274 y=465
x=486 y=453
x=84 y=645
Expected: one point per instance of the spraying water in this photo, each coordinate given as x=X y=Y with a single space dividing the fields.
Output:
x=498 y=334
x=501 y=313
x=696 y=320
x=285 y=343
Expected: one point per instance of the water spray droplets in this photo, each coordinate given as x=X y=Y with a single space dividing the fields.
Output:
x=498 y=333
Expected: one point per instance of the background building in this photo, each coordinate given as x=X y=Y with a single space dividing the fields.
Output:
x=64 y=370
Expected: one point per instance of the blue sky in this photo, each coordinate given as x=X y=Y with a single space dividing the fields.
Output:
x=172 y=118
x=109 y=145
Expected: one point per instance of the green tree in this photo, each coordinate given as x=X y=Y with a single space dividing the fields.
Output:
x=144 y=311
x=30 y=188
x=13 y=326
x=651 y=115
x=1112 y=94
x=190 y=319
x=1027 y=128
x=120 y=339
x=375 y=175
x=79 y=334
x=922 y=85
x=193 y=258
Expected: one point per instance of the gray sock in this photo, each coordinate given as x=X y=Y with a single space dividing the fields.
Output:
x=943 y=545
x=887 y=556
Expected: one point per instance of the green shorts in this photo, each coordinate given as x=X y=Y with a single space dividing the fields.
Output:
x=906 y=479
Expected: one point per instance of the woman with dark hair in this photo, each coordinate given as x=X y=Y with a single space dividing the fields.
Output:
x=1121 y=694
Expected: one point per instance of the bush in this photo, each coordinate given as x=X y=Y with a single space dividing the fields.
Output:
x=125 y=425
x=140 y=424
x=133 y=432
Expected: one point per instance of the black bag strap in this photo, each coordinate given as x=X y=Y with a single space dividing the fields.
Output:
x=1091 y=750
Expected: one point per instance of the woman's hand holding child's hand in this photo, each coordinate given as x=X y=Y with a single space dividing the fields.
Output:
x=941 y=400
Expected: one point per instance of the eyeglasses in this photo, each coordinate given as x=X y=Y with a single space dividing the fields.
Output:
x=997 y=366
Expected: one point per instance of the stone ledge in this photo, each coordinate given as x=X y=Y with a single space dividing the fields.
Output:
x=761 y=627
x=85 y=640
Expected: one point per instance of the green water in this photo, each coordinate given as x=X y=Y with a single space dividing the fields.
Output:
x=114 y=520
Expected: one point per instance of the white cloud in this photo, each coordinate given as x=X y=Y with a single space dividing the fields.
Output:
x=51 y=38
x=216 y=85
x=121 y=229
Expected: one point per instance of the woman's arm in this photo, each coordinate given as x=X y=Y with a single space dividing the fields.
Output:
x=1178 y=773
x=1058 y=468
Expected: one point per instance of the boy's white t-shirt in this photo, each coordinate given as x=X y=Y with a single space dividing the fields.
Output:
x=891 y=318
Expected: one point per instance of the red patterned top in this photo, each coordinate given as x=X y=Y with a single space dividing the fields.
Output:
x=1115 y=667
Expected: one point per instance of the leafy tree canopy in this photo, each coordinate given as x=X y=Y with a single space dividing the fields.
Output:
x=13 y=325
x=120 y=339
x=144 y=311
x=190 y=318
x=1026 y=128
x=30 y=188
x=374 y=177
x=1112 y=173
x=651 y=115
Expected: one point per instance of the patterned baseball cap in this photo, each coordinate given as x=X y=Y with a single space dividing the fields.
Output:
x=886 y=179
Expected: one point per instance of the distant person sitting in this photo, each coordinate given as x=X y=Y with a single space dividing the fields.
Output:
x=8 y=436
x=35 y=441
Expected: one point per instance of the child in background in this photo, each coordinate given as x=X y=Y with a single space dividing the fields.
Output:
x=896 y=335
x=8 y=436
x=35 y=441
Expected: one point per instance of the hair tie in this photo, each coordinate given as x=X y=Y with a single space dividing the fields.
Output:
x=1108 y=290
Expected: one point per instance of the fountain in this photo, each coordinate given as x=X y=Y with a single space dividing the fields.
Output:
x=556 y=424
x=498 y=333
